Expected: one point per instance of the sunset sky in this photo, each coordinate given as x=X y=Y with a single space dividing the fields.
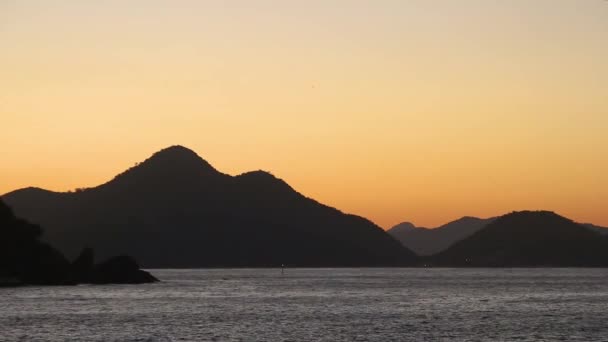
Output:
x=396 y=110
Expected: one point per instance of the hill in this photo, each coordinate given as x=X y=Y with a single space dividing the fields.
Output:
x=175 y=210
x=425 y=241
x=25 y=260
x=529 y=239
x=598 y=229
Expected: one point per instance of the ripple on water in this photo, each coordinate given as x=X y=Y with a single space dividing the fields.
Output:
x=319 y=305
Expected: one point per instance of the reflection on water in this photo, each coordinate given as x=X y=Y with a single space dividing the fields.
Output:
x=319 y=305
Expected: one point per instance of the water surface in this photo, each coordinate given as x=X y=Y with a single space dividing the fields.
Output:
x=319 y=305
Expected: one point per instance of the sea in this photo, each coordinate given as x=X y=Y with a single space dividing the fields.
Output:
x=367 y=304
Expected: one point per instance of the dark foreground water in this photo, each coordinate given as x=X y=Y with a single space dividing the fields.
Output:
x=319 y=305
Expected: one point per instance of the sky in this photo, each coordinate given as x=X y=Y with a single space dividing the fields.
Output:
x=421 y=111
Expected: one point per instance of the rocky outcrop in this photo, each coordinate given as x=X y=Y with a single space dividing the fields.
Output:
x=120 y=270
x=25 y=260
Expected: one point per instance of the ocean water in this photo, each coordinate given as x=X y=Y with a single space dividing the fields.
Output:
x=319 y=305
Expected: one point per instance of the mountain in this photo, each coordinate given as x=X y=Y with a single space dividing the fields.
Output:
x=425 y=241
x=599 y=229
x=26 y=260
x=526 y=239
x=175 y=210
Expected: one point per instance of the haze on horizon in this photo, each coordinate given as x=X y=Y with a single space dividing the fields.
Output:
x=393 y=110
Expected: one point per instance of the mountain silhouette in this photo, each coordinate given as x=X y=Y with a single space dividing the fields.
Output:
x=526 y=239
x=175 y=210
x=598 y=229
x=26 y=260
x=425 y=241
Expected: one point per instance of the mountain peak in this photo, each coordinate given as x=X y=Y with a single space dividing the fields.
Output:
x=175 y=162
x=534 y=214
x=176 y=152
x=264 y=180
x=407 y=225
x=403 y=226
x=178 y=156
x=469 y=218
x=529 y=238
x=259 y=174
x=177 y=149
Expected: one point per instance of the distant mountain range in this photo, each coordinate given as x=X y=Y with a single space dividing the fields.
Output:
x=425 y=241
x=528 y=239
x=175 y=210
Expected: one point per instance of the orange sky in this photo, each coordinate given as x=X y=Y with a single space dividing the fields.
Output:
x=422 y=111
